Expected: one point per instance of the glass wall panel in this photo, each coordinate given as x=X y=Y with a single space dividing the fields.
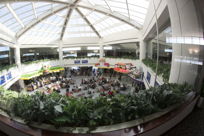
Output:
x=6 y=56
x=33 y=54
x=123 y=50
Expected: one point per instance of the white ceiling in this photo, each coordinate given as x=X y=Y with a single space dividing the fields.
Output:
x=43 y=22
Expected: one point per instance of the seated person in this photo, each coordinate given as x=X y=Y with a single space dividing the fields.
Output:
x=110 y=93
x=67 y=90
x=70 y=94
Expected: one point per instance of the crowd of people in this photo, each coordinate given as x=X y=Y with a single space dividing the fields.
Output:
x=75 y=83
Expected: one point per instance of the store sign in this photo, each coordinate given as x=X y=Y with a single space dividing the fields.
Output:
x=77 y=62
x=8 y=76
x=84 y=61
x=2 y=80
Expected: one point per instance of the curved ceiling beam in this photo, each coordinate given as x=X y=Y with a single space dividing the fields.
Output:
x=42 y=17
x=69 y=12
x=15 y=15
x=88 y=22
x=73 y=6
x=89 y=7
x=115 y=15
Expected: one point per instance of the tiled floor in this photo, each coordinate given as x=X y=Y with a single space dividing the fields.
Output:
x=193 y=125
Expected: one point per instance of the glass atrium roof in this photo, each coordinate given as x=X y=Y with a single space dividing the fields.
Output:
x=44 y=21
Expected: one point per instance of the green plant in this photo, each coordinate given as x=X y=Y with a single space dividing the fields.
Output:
x=7 y=67
x=163 y=69
x=86 y=112
x=122 y=57
x=37 y=61
x=38 y=73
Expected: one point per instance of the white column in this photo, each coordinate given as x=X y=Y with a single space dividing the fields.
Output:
x=101 y=51
x=142 y=50
x=18 y=56
x=22 y=85
x=60 y=52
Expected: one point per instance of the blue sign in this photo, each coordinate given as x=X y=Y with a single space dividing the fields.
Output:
x=77 y=62
x=148 y=77
x=2 y=80
x=8 y=76
x=84 y=61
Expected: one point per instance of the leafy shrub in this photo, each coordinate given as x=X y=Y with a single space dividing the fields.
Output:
x=65 y=111
x=7 y=67
x=163 y=69
x=37 y=61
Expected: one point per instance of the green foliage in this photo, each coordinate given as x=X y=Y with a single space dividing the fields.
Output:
x=7 y=67
x=86 y=112
x=55 y=68
x=37 y=61
x=114 y=57
x=6 y=97
x=163 y=69
x=81 y=57
x=122 y=57
x=38 y=73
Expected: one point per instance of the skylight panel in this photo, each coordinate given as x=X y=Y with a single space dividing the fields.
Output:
x=117 y=4
x=15 y=27
x=85 y=11
x=2 y=6
x=97 y=2
x=18 y=5
x=10 y=22
x=137 y=9
x=42 y=9
x=42 y=4
x=99 y=27
x=87 y=28
x=55 y=5
x=139 y=16
x=120 y=10
x=28 y=19
x=75 y=14
x=46 y=31
x=140 y=3
x=62 y=13
x=24 y=14
x=4 y=12
x=54 y=20
x=77 y=21
x=94 y=17
x=8 y=19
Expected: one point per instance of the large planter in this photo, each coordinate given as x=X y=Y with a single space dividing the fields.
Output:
x=159 y=123
x=100 y=129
